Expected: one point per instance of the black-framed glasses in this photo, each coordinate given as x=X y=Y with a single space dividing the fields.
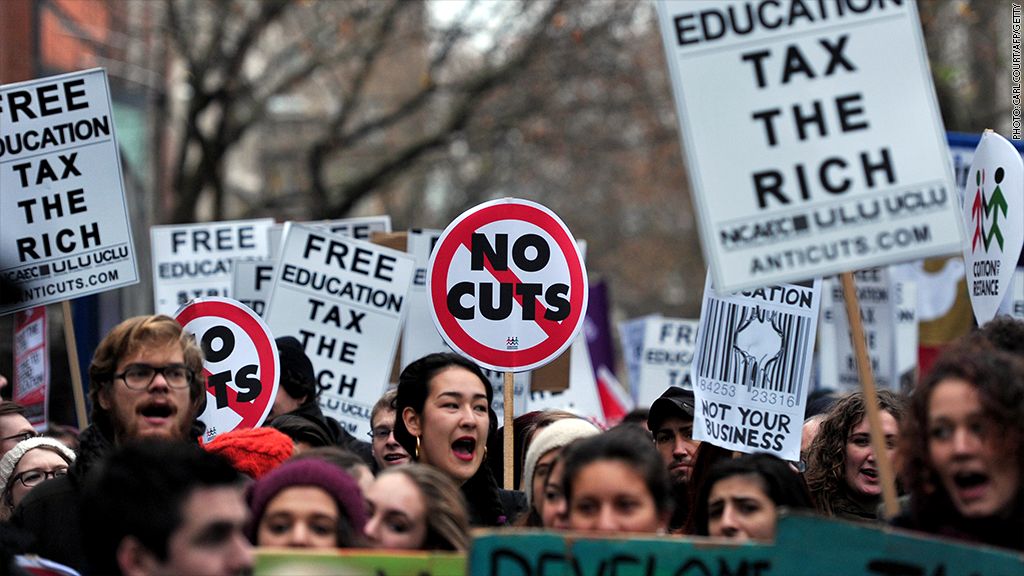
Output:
x=30 y=478
x=140 y=376
x=379 y=433
x=21 y=437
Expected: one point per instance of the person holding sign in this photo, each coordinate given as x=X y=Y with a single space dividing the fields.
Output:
x=738 y=497
x=616 y=482
x=443 y=403
x=841 y=472
x=963 y=449
x=146 y=383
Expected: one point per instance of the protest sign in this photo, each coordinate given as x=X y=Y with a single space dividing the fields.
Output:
x=251 y=281
x=419 y=335
x=240 y=363
x=32 y=365
x=631 y=334
x=804 y=546
x=195 y=260
x=508 y=286
x=288 y=562
x=888 y=313
x=581 y=397
x=752 y=367
x=1017 y=303
x=666 y=357
x=359 y=228
x=993 y=216
x=801 y=161
x=65 y=219
x=344 y=300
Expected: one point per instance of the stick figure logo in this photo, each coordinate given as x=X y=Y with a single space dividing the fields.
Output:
x=985 y=210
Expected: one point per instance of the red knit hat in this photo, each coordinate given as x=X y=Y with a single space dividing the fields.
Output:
x=252 y=451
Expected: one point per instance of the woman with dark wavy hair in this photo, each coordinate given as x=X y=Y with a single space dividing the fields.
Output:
x=963 y=449
x=842 y=471
x=443 y=418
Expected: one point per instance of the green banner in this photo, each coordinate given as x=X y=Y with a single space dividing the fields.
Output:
x=290 y=562
x=806 y=546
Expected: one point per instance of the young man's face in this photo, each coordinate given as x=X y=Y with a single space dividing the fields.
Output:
x=386 y=450
x=154 y=411
x=675 y=443
x=13 y=429
x=210 y=539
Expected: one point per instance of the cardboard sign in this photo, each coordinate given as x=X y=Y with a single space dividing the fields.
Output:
x=993 y=215
x=804 y=546
x=666 y=357
x=802 y=162
x=32 y=365
x=66 y=231
x=508 y=286
x=344 y=300
x=752 y=367
x=195 y=260
x=419 y=335
x=241 y=363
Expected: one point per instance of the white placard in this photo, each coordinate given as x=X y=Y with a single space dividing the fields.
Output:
x=666 y=357
x=66 y=232
x=993 y=215
x=419 y=336
x=632 y=335
x=196 y=260
x=344 y=300
x=803 y=163
x=581 y=397
x=752 y=367
x=359 y=228
x=251 y=281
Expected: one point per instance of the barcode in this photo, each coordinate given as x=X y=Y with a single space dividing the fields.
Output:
x=754 y=347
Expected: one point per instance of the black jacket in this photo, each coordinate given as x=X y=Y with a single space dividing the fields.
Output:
x=490 y=505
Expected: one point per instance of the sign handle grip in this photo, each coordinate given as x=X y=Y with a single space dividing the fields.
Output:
x=76 y=370
x=867 y=385
x=510 y=433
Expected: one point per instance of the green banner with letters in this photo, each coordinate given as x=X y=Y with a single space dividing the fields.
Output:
x=290 y=562
x=806 y=546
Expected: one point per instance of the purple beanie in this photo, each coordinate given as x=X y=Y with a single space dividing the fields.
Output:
x=308 y=472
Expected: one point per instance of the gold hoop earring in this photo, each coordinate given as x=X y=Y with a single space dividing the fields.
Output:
x=485 y=452
x=417 y=447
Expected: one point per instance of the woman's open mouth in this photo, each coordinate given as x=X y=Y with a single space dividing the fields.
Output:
x=970 y=485
x=464 y=448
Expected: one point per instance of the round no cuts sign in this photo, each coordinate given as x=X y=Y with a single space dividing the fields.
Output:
x=507 y=285
x=241 y=366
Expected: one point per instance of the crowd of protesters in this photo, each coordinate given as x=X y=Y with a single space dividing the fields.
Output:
x=136 y=493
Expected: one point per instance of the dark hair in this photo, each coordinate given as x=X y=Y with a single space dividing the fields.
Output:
x=300 y=429
x=345 y=459
x=1001 y=333
x=140 y=490
x=781 y=484
x=627 y=444
x=297 y=376
x=827 y=454
x=999 y=379
x=414 y=387
x=125 y=340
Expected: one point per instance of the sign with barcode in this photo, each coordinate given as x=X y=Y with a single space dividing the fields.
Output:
x=752 y=366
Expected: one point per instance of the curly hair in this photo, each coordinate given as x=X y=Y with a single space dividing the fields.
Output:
x=827 y=455
x=124 y=341
x=999 y=379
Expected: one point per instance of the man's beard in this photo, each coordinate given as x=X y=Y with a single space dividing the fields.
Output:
x=122 y=432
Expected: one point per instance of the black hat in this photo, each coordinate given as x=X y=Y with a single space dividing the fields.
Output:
x=673 y=402
x=294 y=360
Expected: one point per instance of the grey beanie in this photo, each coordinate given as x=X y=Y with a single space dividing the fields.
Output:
x=555 y=435
x=10 y=460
